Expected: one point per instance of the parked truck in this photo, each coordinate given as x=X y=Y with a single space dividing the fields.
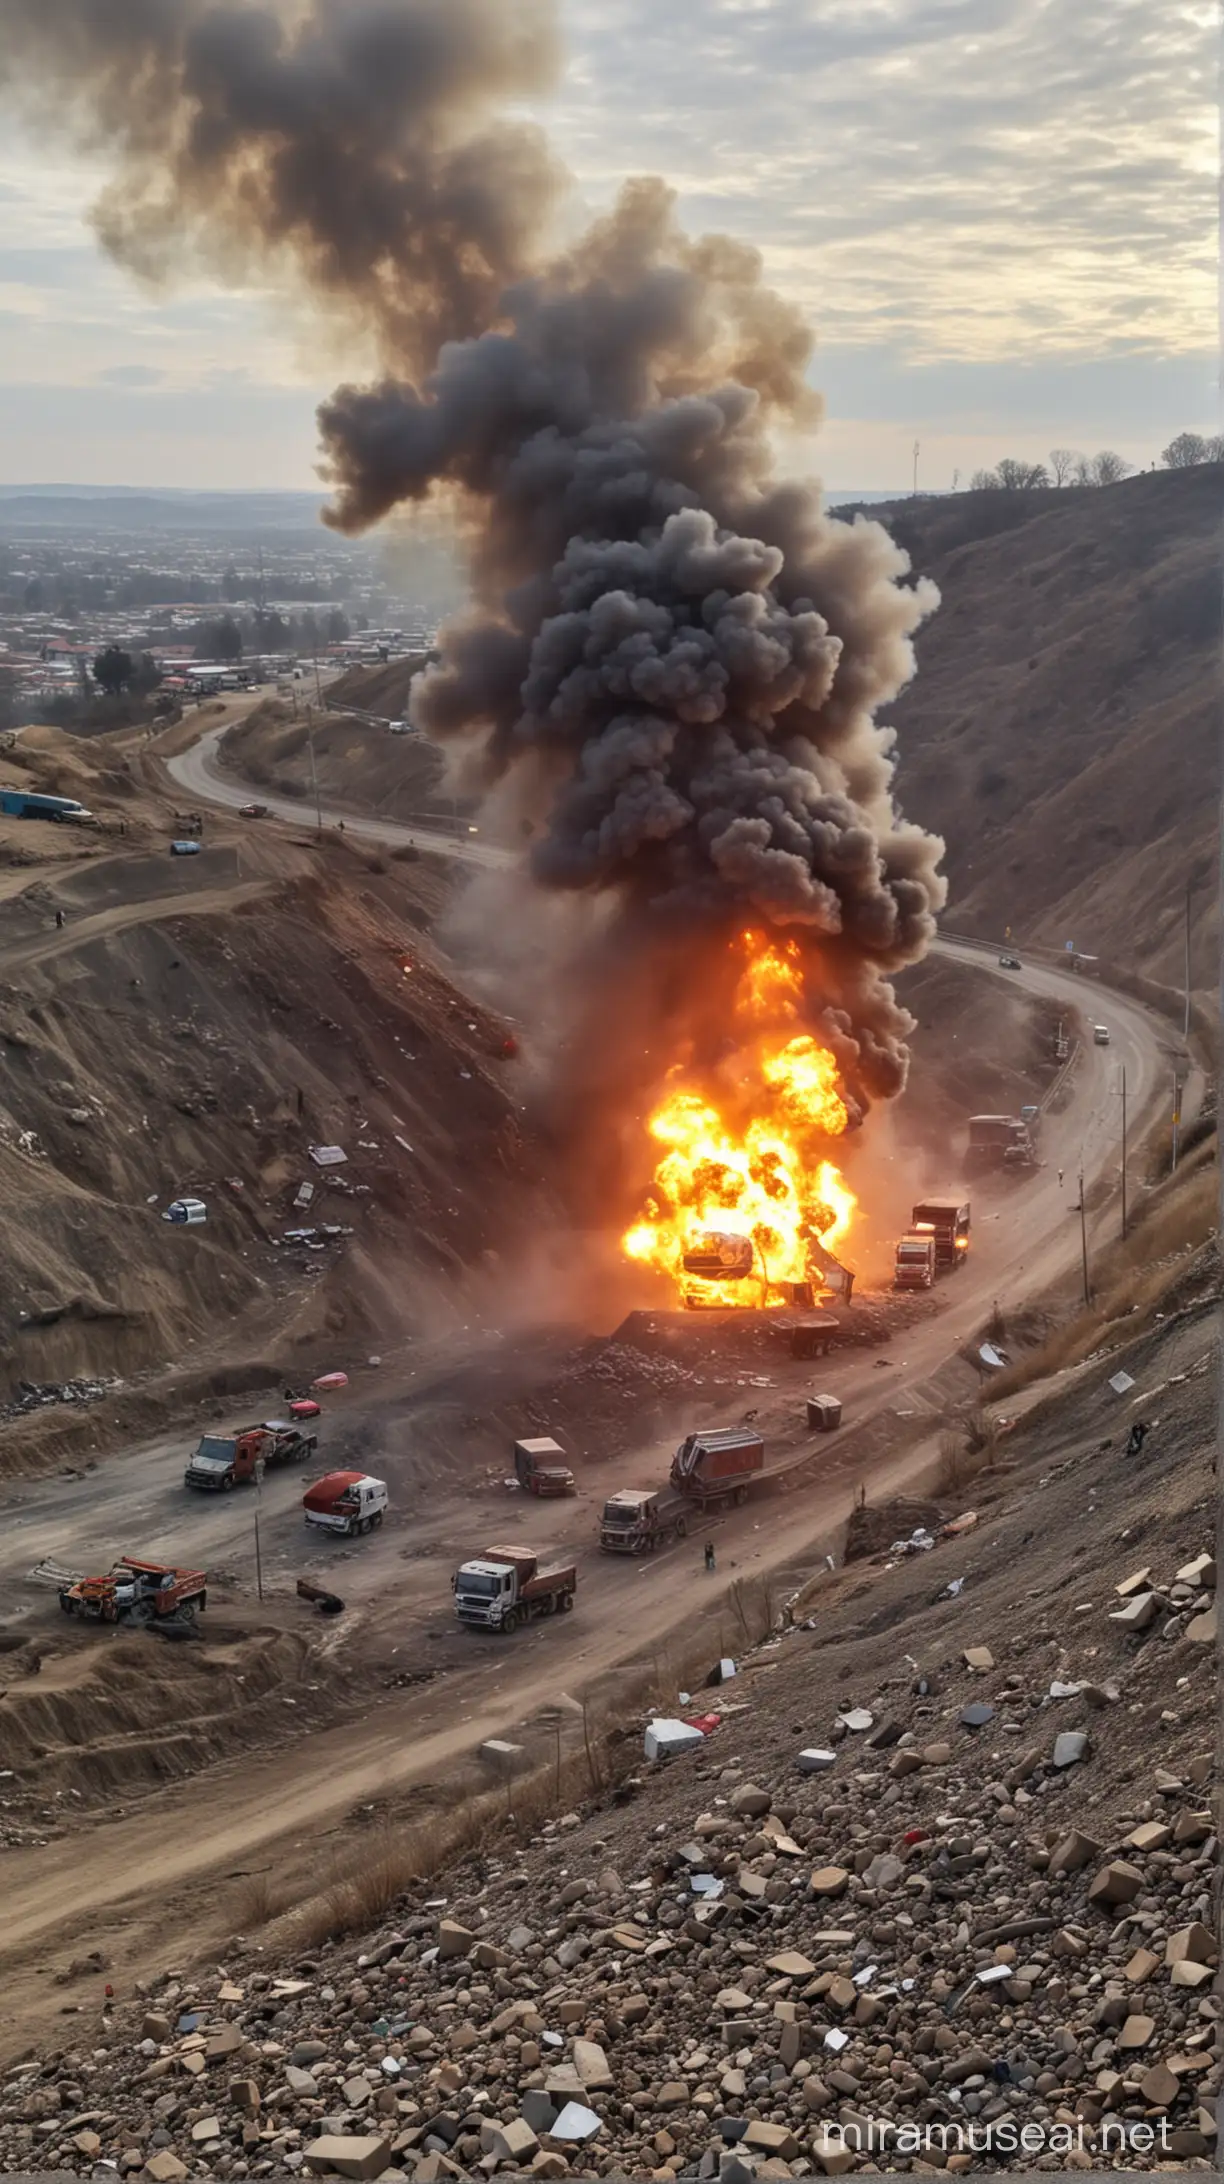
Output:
x=32 y=804
x=914 y=1266
x=1002 y=1141
x=718 y=1465
x=638 y=1519
x=346 y=1502
x=136 y=1592
x=226 y=1460
x=540 y=1468
x=505 y=1587
x=946 y=1221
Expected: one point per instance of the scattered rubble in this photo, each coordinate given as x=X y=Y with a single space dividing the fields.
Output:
x=909 y=1933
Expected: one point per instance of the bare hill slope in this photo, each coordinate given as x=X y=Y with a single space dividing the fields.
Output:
x=1062 y=730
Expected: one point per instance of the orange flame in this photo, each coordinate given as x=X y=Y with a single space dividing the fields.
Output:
x=743 y=1184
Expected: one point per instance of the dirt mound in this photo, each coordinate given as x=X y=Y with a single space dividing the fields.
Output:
x=359 y=765
x=873 y=1530
x=104 y=1715
x=382 y=690
x=194 y=1030
x=1071 y=779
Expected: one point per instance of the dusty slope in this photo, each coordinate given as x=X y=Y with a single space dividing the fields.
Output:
x=1062 y=731
x=932 y=1875
x=358 y=764
x=195 y=1026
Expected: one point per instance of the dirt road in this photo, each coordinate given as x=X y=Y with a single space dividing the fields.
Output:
x=198 y=771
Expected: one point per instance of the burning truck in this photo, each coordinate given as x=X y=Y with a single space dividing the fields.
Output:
x=746 y=1203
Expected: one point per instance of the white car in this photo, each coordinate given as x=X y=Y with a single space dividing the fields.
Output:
x=1100 y=1035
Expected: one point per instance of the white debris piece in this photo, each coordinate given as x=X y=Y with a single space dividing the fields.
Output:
x=663 y=1737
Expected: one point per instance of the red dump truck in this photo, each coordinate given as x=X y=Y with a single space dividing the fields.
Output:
x=347 y=1502
x=225 y=1460
x=638 y=1519
x=718 y=1465
x=506 y=1586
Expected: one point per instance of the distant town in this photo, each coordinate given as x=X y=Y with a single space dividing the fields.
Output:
x=92 y=611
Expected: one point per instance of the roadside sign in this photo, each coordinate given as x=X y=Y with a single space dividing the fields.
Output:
x=1070 y=947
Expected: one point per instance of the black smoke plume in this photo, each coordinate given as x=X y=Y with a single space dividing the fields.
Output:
x=674 y=660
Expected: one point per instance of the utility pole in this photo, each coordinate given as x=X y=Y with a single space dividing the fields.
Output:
x=917 y=445
x=1177 y=1092
x=314 y=778
x=259 y=1472
x=1124 y=1150
x=1083 y=1211
x=1186 y=1024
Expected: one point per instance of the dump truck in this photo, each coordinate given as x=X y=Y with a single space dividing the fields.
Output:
x=638 y=1519
x=505 y=1587
x=1001 y=1141
x=226 y=1460
x=947 y=1221
x=346 y=1502
x=137 y=1592
x=914 y=1266
x=540 y=1468
x=718 y=1465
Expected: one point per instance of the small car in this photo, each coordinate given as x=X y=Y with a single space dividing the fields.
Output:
x=186 y=1211
x=184 y=849
x=304 y=1406
x=1010 y=963
x=252 y=811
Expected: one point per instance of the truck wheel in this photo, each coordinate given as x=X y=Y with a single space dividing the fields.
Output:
x=511 y=1622
x=565 y=1603
x=681 y=1528
x=376 y=1520
x=227 y=1483
x=740 y=1496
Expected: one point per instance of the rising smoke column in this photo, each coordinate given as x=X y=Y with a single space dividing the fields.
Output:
x=676 y=657
x=673 y=661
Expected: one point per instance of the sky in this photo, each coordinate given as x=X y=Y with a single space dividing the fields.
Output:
x=999 y=216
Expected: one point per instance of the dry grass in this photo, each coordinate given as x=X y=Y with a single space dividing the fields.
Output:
x=256 y=1903
x=965 y=1457
x=380 y=1867
x=1130 y=1279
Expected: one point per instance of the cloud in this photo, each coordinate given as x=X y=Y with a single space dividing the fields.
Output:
x=130 y=375
x=998 y=214
x=958 y=177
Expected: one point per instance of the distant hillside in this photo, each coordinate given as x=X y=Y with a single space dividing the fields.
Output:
x=1062 y=731
x=120 y=508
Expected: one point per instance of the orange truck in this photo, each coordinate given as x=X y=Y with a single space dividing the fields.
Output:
x=137 y=1592
x=225 y=1460
x=506 y=1586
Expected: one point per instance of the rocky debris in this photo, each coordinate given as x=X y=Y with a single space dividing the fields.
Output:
x=36 y=1395
x=973 y=1938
